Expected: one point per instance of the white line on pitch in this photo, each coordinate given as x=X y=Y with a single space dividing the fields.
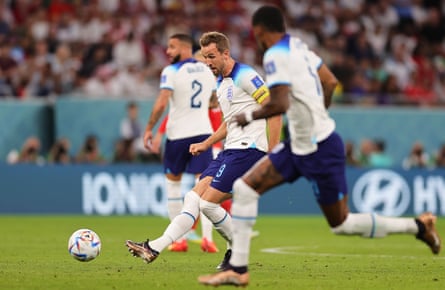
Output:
x=296 y=251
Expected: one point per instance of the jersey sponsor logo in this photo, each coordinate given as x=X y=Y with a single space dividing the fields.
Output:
x=257 y=82
x=381 y=191
x=269 y=67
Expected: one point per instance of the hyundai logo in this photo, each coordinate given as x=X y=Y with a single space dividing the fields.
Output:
x=381 y=191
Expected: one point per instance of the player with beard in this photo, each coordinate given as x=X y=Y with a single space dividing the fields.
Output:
x=187 y=87
x=240 y=89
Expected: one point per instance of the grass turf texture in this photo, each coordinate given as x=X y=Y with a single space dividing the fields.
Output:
x=292 y=252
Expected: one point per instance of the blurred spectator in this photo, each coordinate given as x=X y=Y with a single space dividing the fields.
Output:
x=124 y=151
x=417 y=158
x=60 y=152
x=400 y=63
x=29 y=153
x=440 y=157
x=131 y=128
x=95 y=55
x=42 y=83
x=64 y=68
x=366 y=149
x=103 y=83
x=39 y=26
x=379 y=157
x=351 y=159
x=388 y=92
x=58 y=8
x=7 y=64
x=133 y=80
x=90 y=151
x=128 y=52
x=5 y=87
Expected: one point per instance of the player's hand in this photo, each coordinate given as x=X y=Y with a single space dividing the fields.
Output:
x=148 y=136
x=197 y=148
x=156 y=144
x=242 y=119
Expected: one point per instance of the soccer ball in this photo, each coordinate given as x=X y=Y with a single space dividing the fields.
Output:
x=84 y=245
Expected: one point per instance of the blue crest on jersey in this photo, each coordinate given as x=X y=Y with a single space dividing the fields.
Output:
x=163 y=79
x=269 y=67
x=257 y=82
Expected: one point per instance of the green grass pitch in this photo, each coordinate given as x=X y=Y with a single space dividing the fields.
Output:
x=291 y=252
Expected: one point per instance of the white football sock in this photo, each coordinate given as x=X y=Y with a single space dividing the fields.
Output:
x=375 y=226
x=244 y=214
x=219 y=217
x=181 y=224
x=206 y=227
x=174 y=198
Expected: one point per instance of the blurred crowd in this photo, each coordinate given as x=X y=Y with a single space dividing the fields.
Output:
x=369 y=153
x=382 y=51
x=372 y=153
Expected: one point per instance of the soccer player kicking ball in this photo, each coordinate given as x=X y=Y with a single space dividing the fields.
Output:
x=239 y=88
x=301 y=86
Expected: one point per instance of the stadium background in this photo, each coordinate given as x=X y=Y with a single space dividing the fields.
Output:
x=67 y=71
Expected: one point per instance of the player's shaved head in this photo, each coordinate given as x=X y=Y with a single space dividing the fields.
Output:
x=269 y=17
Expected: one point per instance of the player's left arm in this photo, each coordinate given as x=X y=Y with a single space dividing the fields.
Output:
x=328 y=82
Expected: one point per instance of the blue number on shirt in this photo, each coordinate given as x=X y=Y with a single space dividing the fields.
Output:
x=197 y=88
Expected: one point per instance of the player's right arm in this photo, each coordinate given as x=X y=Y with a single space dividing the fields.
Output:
x=218 y=135
x=158 y=109
x=328 y=82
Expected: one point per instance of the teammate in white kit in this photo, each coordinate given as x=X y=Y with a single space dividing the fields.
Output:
x=186 y=87
x=240 y=89
x=301 y=86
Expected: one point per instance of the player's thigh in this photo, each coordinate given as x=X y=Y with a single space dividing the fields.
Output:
x=214 y=195
x=202 y=185
x=263 y=176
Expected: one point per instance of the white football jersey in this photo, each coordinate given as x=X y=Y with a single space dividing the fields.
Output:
x=242 y=90
x=290 y=62
x=192 y=83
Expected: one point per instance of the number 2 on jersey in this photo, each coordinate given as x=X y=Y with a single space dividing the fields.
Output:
x=197 y=88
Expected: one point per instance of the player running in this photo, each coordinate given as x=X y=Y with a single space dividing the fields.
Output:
x=301 y=86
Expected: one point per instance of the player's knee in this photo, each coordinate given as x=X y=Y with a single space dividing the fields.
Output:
x=243 y=193
x=207 y=208
x=191 y=204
